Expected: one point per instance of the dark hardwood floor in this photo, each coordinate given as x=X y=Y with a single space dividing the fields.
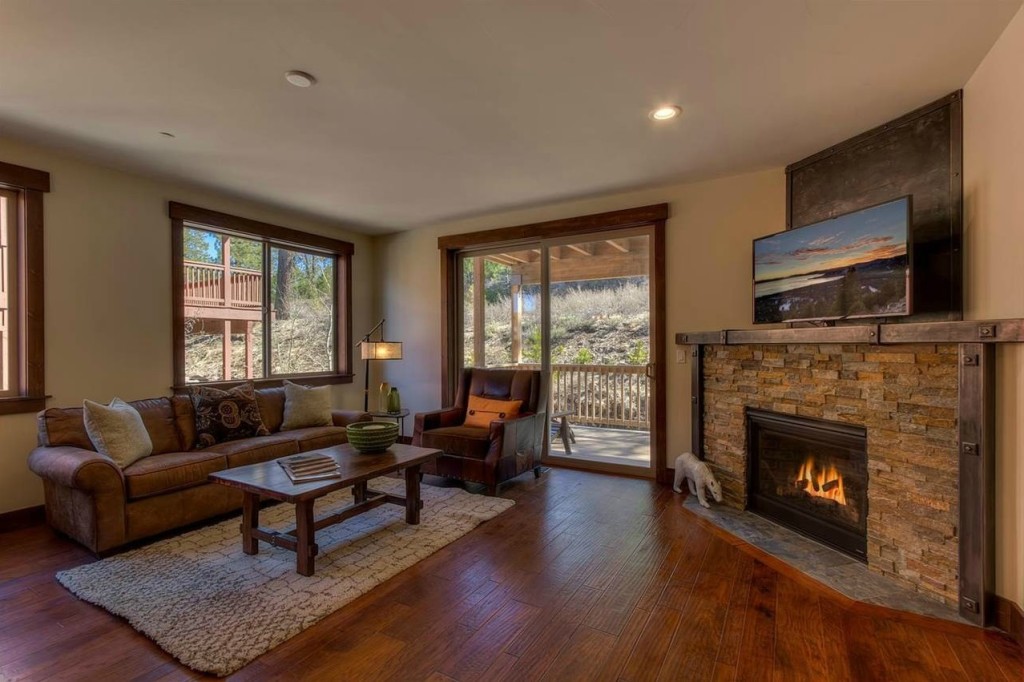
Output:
x=589 y=577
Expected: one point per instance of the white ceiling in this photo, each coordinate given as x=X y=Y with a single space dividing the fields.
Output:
x=434 y=109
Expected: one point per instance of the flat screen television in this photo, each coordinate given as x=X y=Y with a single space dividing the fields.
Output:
x=849 y=266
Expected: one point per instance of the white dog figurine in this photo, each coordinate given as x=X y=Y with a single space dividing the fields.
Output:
x=698 y=475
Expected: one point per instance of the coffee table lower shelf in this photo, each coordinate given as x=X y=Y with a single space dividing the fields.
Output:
x=301 y=538
x=267 y=480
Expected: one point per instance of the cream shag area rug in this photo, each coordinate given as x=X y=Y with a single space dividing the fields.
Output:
x=215 y=609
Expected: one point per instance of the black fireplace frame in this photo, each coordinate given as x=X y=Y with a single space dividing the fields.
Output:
x=839 y=434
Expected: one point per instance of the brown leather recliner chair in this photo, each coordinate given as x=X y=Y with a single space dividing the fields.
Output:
x=508 y=448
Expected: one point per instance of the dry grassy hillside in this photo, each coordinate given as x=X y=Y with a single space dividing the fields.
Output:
x=608 y=325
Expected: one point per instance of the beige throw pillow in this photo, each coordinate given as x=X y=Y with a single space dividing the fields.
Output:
x=305 y=406
x=117 y=431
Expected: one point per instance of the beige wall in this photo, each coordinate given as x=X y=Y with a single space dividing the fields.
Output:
x=994 y=225
x=708 y=242
x=108 y=297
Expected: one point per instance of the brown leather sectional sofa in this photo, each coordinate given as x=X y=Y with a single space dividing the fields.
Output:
x=90 y=499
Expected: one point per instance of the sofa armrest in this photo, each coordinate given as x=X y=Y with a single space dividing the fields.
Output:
x=85 y=495
x=425 y=421
x=76 y=468
x=346 y=417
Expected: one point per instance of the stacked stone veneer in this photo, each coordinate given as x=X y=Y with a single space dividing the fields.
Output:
x=906 y=396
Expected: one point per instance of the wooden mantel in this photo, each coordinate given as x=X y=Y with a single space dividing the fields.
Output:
x=972 y=331
x=976 y=341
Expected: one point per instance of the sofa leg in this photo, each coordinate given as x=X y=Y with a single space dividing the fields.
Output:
x=536 y=471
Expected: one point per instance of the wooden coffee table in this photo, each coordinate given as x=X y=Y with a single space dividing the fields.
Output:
x=268 y=480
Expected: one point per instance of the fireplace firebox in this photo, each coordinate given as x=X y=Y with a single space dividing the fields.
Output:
x=810 y=475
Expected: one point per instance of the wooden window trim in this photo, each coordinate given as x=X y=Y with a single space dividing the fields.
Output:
x=276 y=235
x=283 y=235
x=30 y=185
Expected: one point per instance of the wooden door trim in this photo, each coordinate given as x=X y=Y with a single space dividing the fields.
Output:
x=653 y=216
x=582 y=464
x=659 y=341
x=565 y=227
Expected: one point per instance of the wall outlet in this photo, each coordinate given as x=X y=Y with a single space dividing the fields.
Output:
x=681 y=356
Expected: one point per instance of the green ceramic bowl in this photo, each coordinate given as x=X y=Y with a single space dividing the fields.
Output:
x=372 y=437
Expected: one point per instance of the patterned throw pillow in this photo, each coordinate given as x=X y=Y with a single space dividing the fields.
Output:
x=482 y=411
x=226 y=415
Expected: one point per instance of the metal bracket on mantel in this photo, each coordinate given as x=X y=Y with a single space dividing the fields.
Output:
x=976 y=436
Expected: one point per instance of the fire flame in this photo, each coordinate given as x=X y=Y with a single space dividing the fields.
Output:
x=826 y=482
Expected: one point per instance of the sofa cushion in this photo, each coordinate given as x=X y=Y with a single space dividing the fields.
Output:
x=117 y=431
x=271 y=402
x=158 y=416
x=465 y=441
x=316 y=437
x=66 y=426
x=185 y=420
x=252 y=450
x=63 y=426
x=171 y=471
x=222 y=416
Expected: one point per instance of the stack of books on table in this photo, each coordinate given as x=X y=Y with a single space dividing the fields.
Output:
x=311 y=467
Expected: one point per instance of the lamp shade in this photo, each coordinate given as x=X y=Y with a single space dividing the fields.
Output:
x=380 y=350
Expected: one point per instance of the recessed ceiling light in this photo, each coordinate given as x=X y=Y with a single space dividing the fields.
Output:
x=300 y=79
x=665 y=113
x=166 y=134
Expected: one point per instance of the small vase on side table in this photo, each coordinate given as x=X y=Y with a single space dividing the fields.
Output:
x=394 y=401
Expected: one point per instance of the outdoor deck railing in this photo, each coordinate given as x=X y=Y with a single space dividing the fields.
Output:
x=204 y=286
x=601 y=395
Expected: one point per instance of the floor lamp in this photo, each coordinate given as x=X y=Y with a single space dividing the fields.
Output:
x=376 y=350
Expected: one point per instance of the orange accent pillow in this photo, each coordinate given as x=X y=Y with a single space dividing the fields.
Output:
x=482 y=411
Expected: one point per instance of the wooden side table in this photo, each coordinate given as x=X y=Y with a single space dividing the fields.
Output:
x=399 y=418
x=564 y=429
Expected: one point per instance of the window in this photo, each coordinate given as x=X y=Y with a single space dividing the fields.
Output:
x=21 y=288
x=8 y=292
x=258 y=301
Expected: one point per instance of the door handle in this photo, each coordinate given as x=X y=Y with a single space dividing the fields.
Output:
x=649 y=370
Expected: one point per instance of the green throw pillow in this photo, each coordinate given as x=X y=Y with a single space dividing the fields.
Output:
x=117 y=431
x=304 y=406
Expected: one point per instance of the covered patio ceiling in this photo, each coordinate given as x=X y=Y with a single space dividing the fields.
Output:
x=617 y=258
x=605 y=259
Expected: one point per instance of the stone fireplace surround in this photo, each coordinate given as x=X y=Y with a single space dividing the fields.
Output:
x=905 y=395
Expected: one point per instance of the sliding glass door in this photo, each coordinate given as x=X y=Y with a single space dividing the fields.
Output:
x=501 y=308
x=579 y=309
x=600 y=344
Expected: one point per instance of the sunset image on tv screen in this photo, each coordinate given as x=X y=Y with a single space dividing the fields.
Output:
x=856 y=265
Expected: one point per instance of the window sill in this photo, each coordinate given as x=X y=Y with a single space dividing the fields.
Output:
x=305 y=379
x=22 y=404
